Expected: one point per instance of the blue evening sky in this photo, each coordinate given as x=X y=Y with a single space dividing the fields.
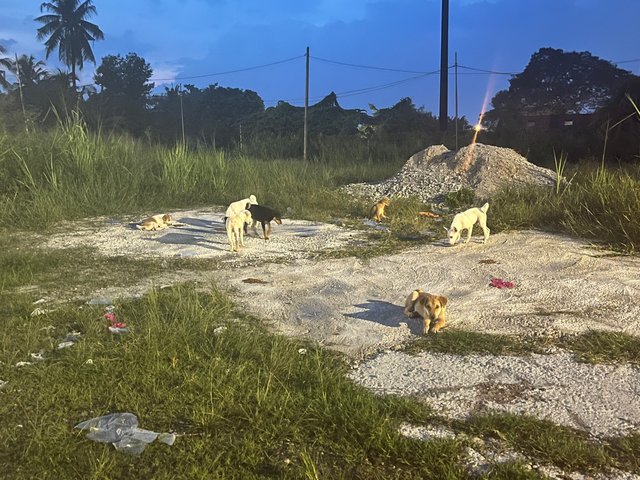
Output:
x=207 y=39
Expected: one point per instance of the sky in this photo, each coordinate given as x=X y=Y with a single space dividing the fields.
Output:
x=369 y=52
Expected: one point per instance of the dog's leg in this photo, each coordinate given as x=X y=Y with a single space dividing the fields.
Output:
x=440 y=321
x=230 y=235
x=241 y=234
x=485 y=229
x=469 y=232
x=425 y=328
x=268 y=234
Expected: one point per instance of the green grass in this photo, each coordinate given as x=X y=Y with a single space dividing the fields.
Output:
x=563 y=447
x=250 y=405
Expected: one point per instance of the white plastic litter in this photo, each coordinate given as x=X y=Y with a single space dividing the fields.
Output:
x=121 y=430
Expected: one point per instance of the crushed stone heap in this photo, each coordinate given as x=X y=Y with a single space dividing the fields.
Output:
x=436 y=171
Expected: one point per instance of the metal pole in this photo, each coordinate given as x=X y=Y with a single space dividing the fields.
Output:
x=444 y=68
x=306 y=108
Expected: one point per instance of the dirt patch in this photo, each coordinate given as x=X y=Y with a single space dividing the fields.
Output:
x=562 y=285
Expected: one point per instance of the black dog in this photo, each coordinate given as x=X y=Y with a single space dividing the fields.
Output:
x=264 y=215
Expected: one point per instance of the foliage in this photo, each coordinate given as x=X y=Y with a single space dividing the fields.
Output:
x=69 y=31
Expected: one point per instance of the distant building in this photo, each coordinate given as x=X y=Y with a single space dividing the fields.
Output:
x=557 y=122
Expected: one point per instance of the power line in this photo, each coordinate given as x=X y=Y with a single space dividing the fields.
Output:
x=256 y=67
x=365 y=66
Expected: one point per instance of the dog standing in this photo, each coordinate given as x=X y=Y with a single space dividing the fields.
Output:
x=235 y=229
x=377 y=211
x=432 y=308
x=156 y=222
x=465 y=221
x=264 y=215
x=235 y=208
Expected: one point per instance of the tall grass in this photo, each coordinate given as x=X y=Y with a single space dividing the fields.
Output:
x=599 y=204
x=70 y=172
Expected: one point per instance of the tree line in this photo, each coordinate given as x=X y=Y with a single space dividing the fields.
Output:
x=602 y=99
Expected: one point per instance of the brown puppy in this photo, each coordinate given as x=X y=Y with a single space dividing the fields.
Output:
x=377 y=211
x=157 y=222
x=432 y=308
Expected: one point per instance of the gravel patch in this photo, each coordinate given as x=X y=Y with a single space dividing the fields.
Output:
x=436 y=171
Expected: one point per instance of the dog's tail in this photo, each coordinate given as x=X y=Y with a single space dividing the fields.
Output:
x=485 y=207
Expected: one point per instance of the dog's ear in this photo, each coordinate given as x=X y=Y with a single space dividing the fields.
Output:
x=247 y=206
x=443 y=300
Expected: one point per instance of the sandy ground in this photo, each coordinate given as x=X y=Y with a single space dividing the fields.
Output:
x=562 y=285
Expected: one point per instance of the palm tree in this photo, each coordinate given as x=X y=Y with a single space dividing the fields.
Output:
x=4 y=62
x=69 y=32
x=27 y=70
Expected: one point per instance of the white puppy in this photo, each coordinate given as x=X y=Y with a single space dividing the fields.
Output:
x=465 y=221
x=235 y=208
x=235 y=229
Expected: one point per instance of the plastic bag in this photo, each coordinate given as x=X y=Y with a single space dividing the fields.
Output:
x=121 y=430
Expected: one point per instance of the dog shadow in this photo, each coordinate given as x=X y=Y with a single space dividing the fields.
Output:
x=202 y=225
x=387 y=314
x=188 y=239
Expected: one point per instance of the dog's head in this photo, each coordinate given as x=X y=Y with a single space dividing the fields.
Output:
x=247 y=217
x=384 y=202
x=453 y=234
x=277 y=217
x=252 y=200
x=432 y=306
x=166 y=218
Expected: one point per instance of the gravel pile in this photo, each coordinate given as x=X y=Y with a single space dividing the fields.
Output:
x=436 y=171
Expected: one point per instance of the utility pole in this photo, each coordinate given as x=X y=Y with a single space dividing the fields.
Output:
x=182 y=115
x=444 y=68
x=306 y=108
x=456 y=65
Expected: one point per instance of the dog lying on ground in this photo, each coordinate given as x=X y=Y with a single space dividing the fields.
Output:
x=465 y=221
x=264 y=215
x=156 y=222
x=237 y=207
x=235 y=229
x=377 y=211
x=432 y=308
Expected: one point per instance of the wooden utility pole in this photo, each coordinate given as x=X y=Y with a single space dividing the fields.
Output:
x=444 y=67
x=306 y=108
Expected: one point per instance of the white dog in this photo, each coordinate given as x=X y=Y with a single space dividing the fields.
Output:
x=235 y=208
x=465 y=221
x=235 y=229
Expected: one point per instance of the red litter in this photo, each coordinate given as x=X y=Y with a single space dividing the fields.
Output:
x=114 y=325
x=500 y=283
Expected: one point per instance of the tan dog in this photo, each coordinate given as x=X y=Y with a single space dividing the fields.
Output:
x=235 y=229
x=157 y=222
x=377 y=211
x=432 y=308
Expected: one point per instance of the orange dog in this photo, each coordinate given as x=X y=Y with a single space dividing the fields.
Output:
x=377 y=211
x=432 y=308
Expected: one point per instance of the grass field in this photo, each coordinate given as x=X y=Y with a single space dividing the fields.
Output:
x=245 y=402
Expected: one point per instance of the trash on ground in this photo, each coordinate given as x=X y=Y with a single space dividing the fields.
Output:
x=2 y=384
x=114 y=325
x=500 y=283
x=23 y=364
x=62 y=345
x=488 y=261
x=254 y=280
x=121 y=430
x=219 y=330
x=302 y=351
x=428 y=214
x=39 y=311
x=38 y=356
x=89 y=361
x=38 y=302
x=99 y=301
x=48 y=328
